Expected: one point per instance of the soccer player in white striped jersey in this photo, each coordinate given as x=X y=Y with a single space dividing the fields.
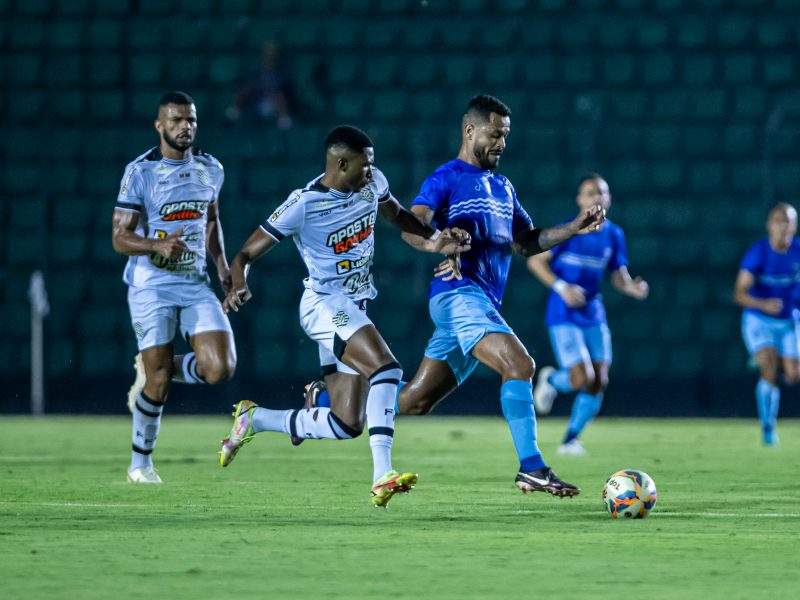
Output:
x=166 y=220
x=331 y=221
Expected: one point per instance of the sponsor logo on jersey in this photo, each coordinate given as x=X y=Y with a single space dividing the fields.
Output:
x=185 y=210
x=352 y=235
x=340 y=319
x=343 y=266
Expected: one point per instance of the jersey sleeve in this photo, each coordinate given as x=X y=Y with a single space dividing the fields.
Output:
x=434 y=192
x=619 y=257
x=131 y=191
x=380 y=185
x=521 y=220
x=288 y=218
x=752 y=259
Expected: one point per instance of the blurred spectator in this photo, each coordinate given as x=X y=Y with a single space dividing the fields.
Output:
x=267 y=95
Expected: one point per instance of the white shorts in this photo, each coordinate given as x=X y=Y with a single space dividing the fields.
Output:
x=157 y=311
x=330 y=320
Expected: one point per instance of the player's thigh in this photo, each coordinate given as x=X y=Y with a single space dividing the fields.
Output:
x=504 y=354
x=201 y=313
x=432 y=383
x=154 y=316
x=759 y=332
x=333 y=320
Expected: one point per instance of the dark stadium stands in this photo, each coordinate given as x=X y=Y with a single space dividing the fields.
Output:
x=690 y=109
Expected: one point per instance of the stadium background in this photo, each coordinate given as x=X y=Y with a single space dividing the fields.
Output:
x=691 y=110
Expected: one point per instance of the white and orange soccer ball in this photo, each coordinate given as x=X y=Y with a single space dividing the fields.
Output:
x=629 y=494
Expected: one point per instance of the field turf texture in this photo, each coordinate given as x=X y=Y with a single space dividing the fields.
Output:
x=285 y=522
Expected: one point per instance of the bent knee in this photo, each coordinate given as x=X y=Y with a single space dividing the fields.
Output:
x=218 y=374
x=522 y=369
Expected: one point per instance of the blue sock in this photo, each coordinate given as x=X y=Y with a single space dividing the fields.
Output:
x=768 y=398
x=324 y=399
x=584 y=408
x=400 y=386
x=560 y=380
x=516 y=398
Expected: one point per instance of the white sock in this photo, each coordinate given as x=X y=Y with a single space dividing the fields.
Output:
x=188 y=372
x=311 y=423
x=380 y=416
x=146 y=423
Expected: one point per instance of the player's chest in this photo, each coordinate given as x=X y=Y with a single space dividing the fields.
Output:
x=170 y=188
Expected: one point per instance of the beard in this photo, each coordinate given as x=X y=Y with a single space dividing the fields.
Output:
x=175 y=144
x=487 y=161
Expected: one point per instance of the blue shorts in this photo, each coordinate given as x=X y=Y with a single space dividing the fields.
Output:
x=462 y=317
x=574 y=345
x=760 y=331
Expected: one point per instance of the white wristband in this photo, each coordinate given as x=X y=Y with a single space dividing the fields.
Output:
x=559 y=285
x=435 y=236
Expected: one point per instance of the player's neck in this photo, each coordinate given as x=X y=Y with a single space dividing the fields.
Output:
x=332 y=184
x=465 y=156
x=780 y=247
x=171 y=153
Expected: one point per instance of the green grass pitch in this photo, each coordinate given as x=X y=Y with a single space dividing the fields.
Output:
x=284 y=522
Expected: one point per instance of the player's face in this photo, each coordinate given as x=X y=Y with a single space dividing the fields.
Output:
x=592 y=192
x=177 y=124
x=782 y=227
x=489 y=140
x=359 y=169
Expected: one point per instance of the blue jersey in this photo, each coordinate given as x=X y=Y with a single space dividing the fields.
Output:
x=584 y=260
x=485 y=205
x=777 y=276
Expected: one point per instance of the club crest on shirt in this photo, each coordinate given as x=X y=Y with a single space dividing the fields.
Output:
x=367 y=194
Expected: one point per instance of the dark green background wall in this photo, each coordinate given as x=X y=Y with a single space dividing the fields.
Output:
x=691 y=109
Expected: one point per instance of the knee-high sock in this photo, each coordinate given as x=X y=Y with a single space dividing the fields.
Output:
x=584 y=409
x=146 y=423
x=380 y=416
x=324 y=399
x=312 y=423
x=516 y=397
x=768 y=399
x=188 y=372
x=559 y=379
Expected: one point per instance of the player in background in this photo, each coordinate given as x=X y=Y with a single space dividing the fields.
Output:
x=576 y=317
x=767 y=286
x=331 y=221
x=166 y=220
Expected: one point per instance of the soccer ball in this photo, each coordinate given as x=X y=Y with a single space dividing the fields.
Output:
x=630 y=494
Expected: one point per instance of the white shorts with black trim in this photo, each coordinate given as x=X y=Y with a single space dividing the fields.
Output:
x=331 y=320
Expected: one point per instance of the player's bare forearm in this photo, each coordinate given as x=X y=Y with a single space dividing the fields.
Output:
x=536 y=241
x=405 y=220
x=215 y=246
x=124 y=237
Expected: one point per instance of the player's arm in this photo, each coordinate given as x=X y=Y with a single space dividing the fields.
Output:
x=258 y=244
x=741 y=295
x=635 y=287
x=215 y=246
x=418 y=231
x=573 y=295
x=536 y=240
x=126 y=241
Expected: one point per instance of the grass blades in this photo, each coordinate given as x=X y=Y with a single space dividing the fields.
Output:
x=285 y=522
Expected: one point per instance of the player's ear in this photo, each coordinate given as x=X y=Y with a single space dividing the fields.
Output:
x=342 y=162
x=469 y=130
x=157 y=125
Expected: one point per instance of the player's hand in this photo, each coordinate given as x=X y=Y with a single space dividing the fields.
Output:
x=772 y=306
x=638 y=288
x=235 y=298
x=225 y=282
x=589 y=219
x=449 y=268
x=452 y=241
x=573 y=296
x=171 y=246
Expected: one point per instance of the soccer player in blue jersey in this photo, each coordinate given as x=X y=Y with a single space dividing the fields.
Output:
x=166 y=220
x=576 y=318
x=468 y=194
x=768 y=286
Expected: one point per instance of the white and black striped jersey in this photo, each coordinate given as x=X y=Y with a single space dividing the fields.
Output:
x=170 y=194
x=334 y=233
